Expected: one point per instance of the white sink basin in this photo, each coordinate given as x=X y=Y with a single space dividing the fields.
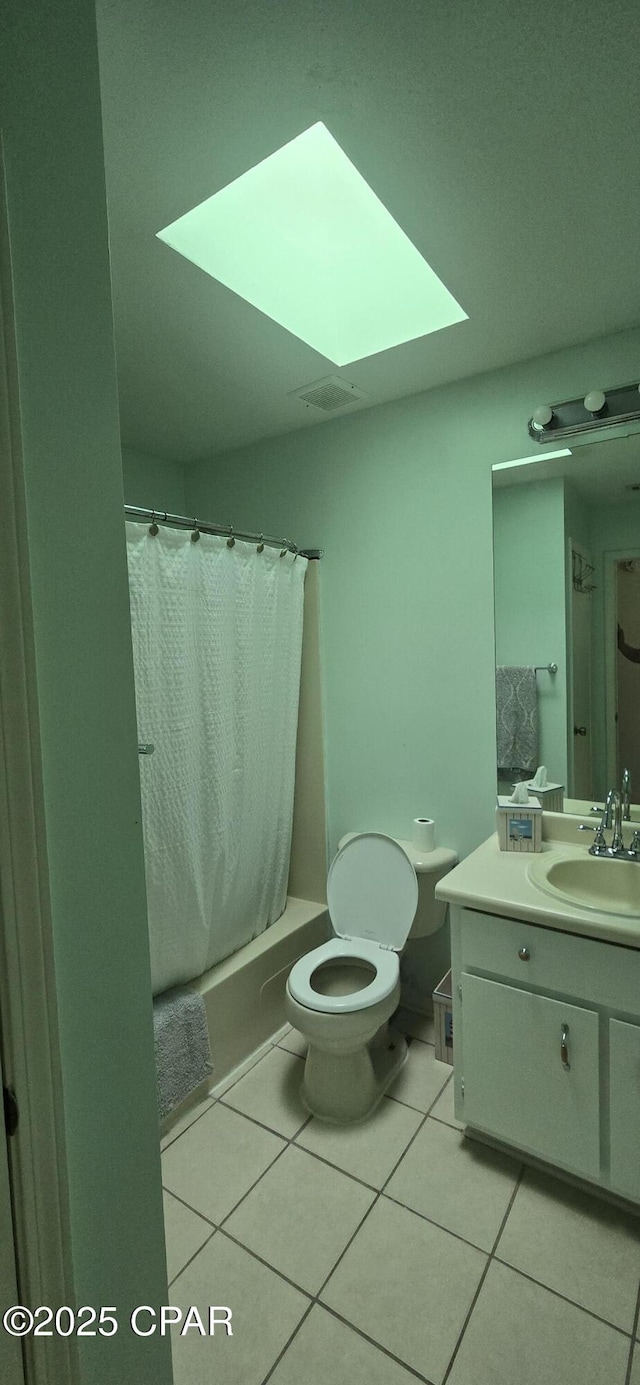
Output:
x=590 y=882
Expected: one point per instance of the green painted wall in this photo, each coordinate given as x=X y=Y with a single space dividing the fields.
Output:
x=577 y=516
x=150 y=481
x=50 y=118
x=400 y=498
x=530 y=621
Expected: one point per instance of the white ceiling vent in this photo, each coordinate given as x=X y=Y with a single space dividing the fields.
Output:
x=329 y=394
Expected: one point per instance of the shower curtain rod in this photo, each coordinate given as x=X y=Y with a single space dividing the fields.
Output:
x=202 y=527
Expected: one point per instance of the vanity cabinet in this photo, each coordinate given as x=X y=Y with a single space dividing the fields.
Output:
x=547 y=1044
x=624 y=1053
x=531 y=1072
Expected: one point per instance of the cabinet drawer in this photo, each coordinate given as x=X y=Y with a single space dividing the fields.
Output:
x=603 y=973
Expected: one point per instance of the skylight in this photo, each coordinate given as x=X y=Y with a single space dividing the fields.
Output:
x=304 y=239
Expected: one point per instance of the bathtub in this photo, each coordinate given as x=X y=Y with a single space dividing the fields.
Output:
x=244 y=994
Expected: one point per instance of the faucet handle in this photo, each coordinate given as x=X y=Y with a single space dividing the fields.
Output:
x=635 y=842
x=599 y=844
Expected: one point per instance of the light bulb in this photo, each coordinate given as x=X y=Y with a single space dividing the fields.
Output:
x=594 y=401
x=542 y=417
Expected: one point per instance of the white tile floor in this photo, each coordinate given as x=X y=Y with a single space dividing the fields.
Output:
x=392 y=1251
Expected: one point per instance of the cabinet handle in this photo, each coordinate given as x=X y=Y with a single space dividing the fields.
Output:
x=524 y=954
x=564 y=1047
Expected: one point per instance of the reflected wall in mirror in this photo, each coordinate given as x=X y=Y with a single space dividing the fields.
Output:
x=567 y=591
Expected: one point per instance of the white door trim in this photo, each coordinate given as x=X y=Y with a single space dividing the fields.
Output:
x=31 y=1057
x=610 y=625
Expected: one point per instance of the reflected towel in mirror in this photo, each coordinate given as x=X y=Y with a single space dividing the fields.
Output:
x=517 y=718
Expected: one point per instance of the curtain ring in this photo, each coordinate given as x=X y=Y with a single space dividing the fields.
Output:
x=153 y=528
x=196 y=532
x=230 y=541
x=260 y=546
x=282 y=552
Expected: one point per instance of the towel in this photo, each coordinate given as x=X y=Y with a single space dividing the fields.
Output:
x=517 y=718
x=183 y=1051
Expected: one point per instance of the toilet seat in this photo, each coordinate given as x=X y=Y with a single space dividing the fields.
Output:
x=372 y=890
x=387 y=969
x=372 y=893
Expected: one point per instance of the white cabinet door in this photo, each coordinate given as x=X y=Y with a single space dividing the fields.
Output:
x=530 y=1069
x=624 y=1090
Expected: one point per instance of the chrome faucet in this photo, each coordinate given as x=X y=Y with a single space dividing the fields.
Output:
x=617 y=851
x=626 y=795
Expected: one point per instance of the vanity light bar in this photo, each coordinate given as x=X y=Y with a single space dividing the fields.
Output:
x=597 y=409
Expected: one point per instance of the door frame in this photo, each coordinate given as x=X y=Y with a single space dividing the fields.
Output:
x=28 y=1001
x=612 y=557
x=576 y=546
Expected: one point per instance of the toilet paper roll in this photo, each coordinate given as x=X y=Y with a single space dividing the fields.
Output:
x=424 y=834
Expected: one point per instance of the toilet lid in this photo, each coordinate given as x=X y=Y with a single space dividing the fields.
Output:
x=372 y=890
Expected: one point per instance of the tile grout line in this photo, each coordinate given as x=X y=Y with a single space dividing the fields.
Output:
x=171 y=1282
x=492 y=1254
x=313 y=1154
x=563 y=1297
x=438 y=1224
x=253 y=1185
x=220 y=1101
x=287 y=1344
x=262 y=1125
x=230 y=1084
x=202 y=1215
x=333 y=1312
x=426 y=1117
x=289 y=1141
x=163 y=1149
x=379 y=1192
x=482 y=1278
x=212 y=1100
x=306 y=1293
x=411 y=1370
x=293 y=1140
x=316 y=1298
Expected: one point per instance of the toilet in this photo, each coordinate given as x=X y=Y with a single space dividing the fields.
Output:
x=340 y=996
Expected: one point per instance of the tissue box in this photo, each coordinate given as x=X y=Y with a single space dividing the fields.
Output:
x=551 y=797
x=519 y=825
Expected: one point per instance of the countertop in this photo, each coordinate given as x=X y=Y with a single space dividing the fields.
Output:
x=497 y=882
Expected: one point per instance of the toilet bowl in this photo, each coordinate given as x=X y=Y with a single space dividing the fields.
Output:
x=340 y=996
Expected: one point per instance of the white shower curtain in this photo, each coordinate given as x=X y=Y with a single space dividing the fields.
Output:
x=217 y=637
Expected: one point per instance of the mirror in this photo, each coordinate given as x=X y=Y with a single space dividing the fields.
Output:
x=567 y=592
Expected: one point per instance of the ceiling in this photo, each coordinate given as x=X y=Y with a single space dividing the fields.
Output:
x=502 y=138
x=601 y=471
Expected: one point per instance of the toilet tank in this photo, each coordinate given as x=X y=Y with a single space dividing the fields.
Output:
x=429 y=867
